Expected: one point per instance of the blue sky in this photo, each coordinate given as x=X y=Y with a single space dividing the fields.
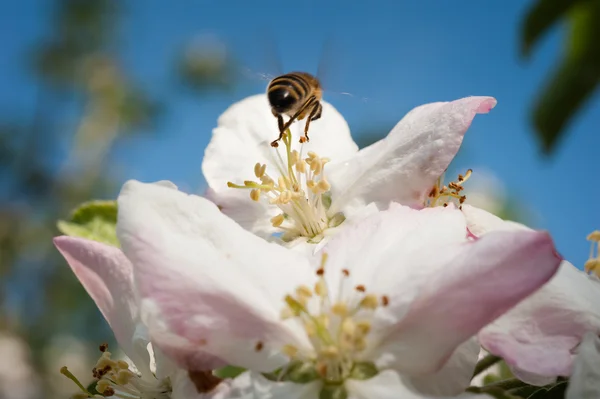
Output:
x=400 y=53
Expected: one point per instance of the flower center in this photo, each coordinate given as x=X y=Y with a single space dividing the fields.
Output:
x=300 y=190
x=592 y=265
x=442 y=195
x=338 y=330
x=115 y=379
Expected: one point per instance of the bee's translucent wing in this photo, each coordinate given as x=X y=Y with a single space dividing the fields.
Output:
x=330 y=72
x=265 y=63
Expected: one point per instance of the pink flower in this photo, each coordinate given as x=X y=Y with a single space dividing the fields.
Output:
x=540 y=336
x=388 y=313
x=305 y=191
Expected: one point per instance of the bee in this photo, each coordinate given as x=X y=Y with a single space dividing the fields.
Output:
x=297 y=95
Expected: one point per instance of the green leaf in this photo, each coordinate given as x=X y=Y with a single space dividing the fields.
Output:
x=556 y=392
x=575 y=80
x=540 y=17
x=94 y=220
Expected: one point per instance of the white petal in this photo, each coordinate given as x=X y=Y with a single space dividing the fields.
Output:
x=537 y=337
x=421 y=261
x=207 y=285
x=242 y=138
x=539 y=334
x=480 y=221
x=404 y=166
x=454 y=377
x=584 y=383
x=388 y=385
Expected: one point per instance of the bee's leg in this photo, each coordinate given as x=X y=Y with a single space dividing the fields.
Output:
x=275 y=143
x=306 y=105
x=315 y=113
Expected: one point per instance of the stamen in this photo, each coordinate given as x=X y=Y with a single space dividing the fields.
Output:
x=297 y=190
x=441 y=195
x=337 y=328
x=592 y=265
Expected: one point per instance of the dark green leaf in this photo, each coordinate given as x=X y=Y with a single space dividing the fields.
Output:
x=540 y=17
x=556 y=392
x=567 y=91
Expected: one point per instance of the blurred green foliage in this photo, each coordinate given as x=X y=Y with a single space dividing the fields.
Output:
x=78 y=70
x=577 y=75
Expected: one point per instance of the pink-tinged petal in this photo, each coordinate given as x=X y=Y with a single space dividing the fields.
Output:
x=107 y=276
x=208 y=286
x=391 y=253
x=389 y=385
x=454 y=377
x=475 y=282
x=242 y=138
x=405 y=165
x=540 y=334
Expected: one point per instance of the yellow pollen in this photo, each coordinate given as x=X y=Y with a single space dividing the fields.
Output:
x=321 y=288
x=370 y=301
x=337 y=328
x=364 y=327
x=329 y=352
x=122 y=364
x=290 y=351
x=440 y=194
x=594 y=236
x=102 y=385
x=592 y=265
x=304 y=291
x=339 y=309
x=276 y=221
x=323 y=185
x=298 y=189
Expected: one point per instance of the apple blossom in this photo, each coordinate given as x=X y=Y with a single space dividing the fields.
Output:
x=387 y=309
x=305 y=190
x=539 y=337
x=107 y=275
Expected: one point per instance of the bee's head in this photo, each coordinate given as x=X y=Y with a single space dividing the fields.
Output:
x=281 y=99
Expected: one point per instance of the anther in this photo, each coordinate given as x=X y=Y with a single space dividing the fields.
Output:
x=103 y=347
x=594 y=236
x=360 y=288
x=369 y=302
x=385 y=300
x=321 y=288
x=259 y=346
x=290 y=350
x=339 y=309
x=255 y=194
x=304 y=291
x=346 y=272
x=276 y=221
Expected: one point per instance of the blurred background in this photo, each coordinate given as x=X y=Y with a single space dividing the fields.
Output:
x=96 y=92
